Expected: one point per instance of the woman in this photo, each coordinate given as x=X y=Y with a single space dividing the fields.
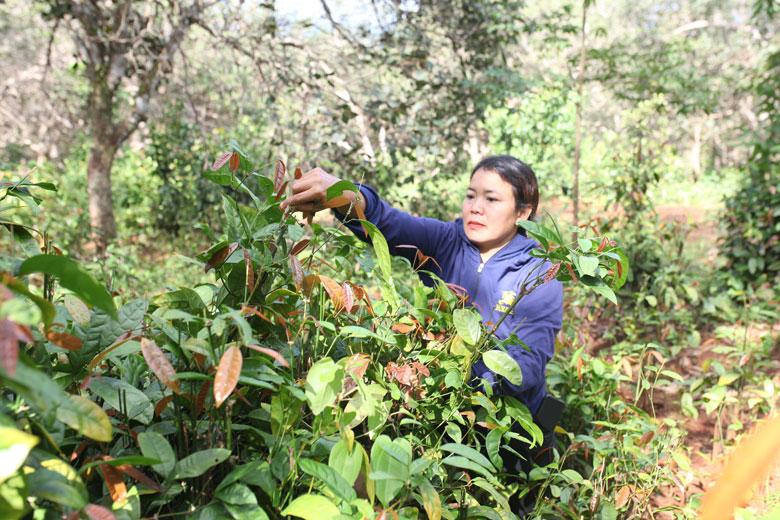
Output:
x=486 y=253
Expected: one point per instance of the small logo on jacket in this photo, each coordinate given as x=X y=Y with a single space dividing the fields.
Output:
x=507 y=300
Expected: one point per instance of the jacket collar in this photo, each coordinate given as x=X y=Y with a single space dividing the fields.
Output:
x=518 y=248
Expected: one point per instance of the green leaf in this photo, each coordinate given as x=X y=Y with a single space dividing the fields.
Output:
x=346 y=464
x=468 y=324
x=381 y=250
x=86 y=417
x=312 y=507
x=200 y=462
x=54 y=486
x=587 y=265
x=328 y=476
x=73 y=277
x=493 y=446
x=237 y=494
x=111 y=390
x=15 y=445
x=464 y=463
x=323 y=384
x=48 y=312
x=393 y=458
x=156 y=446
x=470 y=453
x=572 y=476
x=340 y=187
x=520 y=413
x=504 y=365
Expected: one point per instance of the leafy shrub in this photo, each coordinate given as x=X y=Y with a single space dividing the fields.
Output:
x=278 y=390
x=751 y=243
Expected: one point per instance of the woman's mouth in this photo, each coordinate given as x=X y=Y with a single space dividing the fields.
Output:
x=475 y=225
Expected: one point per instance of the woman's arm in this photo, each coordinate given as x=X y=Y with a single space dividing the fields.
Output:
x=399 y=228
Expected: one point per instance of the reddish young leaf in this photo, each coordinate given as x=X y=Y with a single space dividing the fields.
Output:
x=402 y=328
x=139 y=476
x=10 y=336
x=604 y=243
x=272 y=353
x=298 y=173
x=158 y=362
x=235 y=162
x=281 y=190
x=334 y=290
x=297 y=271
x=623 y=496
x=300 y=246
x=645 y=438
x=357 y=364
x=162 y=404
x=121 y=340
x=283 y=323
x=64 y=340
x=96 y=512
x=227 y=375
x=309 y=281
x=250 y=272
x=251 y=310
x=279 y=174
x=114 y=482
x=218 y=258
x=219 y=163
x=349 y=297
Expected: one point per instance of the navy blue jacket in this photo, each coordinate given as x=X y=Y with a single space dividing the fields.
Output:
x=491 y=286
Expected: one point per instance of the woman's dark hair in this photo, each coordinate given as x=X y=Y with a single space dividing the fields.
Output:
x=519 y=175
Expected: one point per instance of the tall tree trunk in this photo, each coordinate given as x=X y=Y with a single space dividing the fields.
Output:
x=575 y=191
x=105 y=143
x=101 y=205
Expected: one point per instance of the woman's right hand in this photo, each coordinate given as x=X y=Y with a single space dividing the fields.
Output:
x=310 y=193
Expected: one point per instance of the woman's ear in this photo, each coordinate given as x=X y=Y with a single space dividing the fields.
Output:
x=524 y=213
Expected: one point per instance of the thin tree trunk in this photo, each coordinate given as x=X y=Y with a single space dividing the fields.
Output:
x=575 y=192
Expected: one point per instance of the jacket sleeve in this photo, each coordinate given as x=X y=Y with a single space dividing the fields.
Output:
x=402 y=229
x=539 y=317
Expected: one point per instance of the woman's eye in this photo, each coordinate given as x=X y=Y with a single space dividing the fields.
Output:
x=469 y=196
x=490 y=199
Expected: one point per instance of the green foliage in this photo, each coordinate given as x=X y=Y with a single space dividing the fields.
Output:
x=330 y=408
x=751 y=243
x=178 y=151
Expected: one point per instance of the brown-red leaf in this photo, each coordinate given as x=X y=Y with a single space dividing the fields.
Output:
x=227 y=375
x=272 y=353
x=158 y=362
x=96 y=512
x=64 y=340
x=235 y=161
x=300 y=246
x=279 y=174
x=220 y=256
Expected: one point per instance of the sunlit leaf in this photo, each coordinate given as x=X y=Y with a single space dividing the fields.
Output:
x=77 y=310
x=15 y=445
x=86 y=417
x=468 y=324
x=431 y=500
x=312 y=507
x=228 y=372
x=334 y=290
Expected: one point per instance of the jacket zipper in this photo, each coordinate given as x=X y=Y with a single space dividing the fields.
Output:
x=479 y=277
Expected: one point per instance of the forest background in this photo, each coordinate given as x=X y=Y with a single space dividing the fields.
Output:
x=656 y=123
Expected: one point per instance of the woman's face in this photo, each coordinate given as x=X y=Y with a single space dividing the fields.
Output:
x=489 y=214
